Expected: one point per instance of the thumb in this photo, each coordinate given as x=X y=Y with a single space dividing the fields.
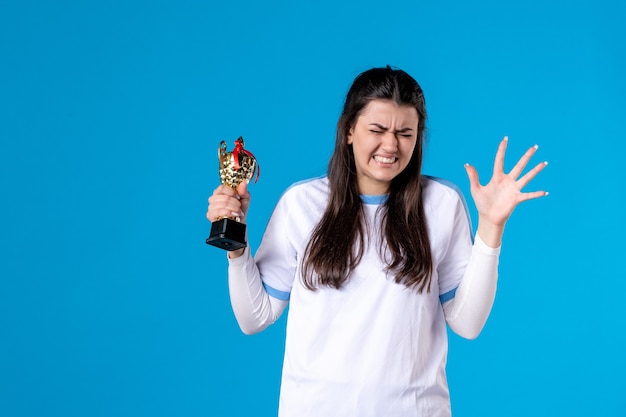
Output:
x=242 y=190
x=244 y=196
x=472 y=174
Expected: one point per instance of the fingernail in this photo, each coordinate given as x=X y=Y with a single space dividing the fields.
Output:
x=545 y=162
x=546 y=193
x=536 y=147
x=506 y=138
x=234 y=214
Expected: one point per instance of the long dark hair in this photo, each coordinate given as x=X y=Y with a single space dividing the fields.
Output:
x=337 y=243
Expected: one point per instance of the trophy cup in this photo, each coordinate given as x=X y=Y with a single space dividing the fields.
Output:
x=235 y=167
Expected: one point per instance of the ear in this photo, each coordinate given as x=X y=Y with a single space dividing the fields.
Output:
x=349 y=137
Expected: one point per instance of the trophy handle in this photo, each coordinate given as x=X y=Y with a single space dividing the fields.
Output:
x=221 y=153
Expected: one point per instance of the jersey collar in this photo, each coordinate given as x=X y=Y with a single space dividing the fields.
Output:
x=374 y=199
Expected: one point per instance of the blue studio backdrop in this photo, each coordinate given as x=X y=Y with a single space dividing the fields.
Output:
x=111 y=113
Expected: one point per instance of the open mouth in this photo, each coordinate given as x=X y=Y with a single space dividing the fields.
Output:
x=385 y=160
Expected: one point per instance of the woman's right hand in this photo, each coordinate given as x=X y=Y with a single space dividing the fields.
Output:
x=228 y=202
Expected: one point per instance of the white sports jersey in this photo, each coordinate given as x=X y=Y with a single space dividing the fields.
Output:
x=373 y=347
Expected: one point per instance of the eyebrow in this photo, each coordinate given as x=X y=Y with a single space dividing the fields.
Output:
x=403 y=130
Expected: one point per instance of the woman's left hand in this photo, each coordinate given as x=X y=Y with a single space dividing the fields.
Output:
x=496 y=200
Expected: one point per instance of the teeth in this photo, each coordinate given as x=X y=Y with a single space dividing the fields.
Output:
x=384 y=160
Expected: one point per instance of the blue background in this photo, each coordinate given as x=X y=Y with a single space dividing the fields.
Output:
x=110 y=116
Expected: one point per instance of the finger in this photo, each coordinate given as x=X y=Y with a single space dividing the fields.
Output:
x=220 y=201
x=523 y=182
x=533 y=195
x=213 y=214
x=224 y=190
x=498 y=165
x=221 y=205
x=222 y=195
x=521 y=164
x=472 y=174
x=216 y=213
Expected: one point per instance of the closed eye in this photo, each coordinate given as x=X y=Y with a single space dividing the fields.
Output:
x=377 y=128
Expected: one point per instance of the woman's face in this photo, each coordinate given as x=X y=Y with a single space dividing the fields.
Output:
x=383 y=139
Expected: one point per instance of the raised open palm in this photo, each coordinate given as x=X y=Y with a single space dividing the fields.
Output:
x=496 y=200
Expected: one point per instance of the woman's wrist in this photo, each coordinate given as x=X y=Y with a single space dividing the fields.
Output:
x=490 y=233
x=234 y=254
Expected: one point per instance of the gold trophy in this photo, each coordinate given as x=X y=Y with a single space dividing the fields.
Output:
x=235 y=167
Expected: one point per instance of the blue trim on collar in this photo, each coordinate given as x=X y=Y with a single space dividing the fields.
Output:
x=374 y=199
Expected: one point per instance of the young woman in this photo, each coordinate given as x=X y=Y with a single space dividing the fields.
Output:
x=374 y=259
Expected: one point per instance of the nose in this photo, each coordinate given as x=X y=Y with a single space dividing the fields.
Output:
x=389 y=142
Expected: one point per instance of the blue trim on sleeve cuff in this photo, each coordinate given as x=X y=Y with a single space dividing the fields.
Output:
x=280 y=295
x=447 y=296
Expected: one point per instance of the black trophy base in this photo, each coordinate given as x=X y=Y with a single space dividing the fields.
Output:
x=227 y=234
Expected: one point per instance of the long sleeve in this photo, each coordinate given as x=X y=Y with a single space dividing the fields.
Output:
x=254 y=308
x=467 y=312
